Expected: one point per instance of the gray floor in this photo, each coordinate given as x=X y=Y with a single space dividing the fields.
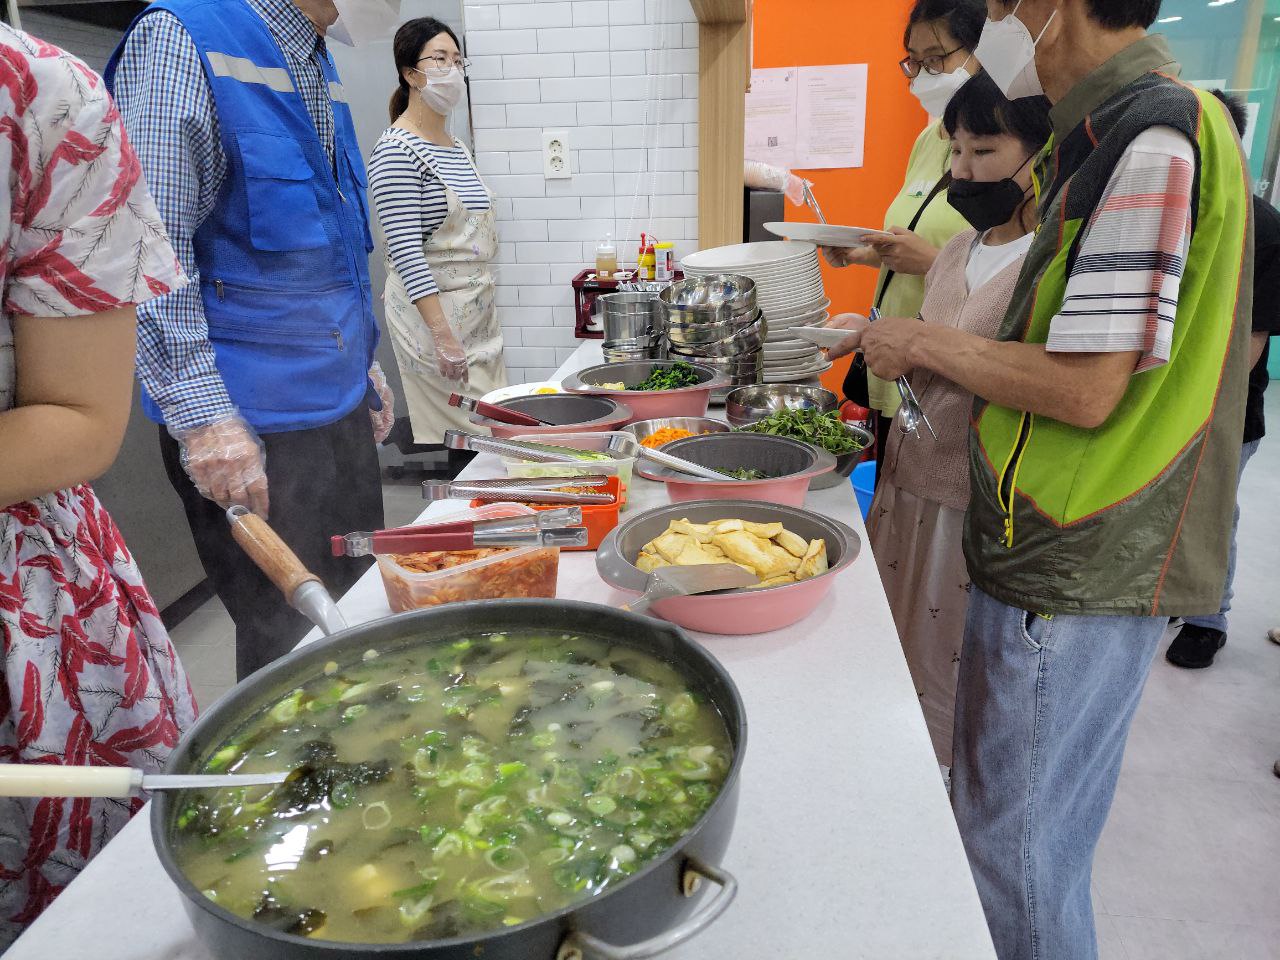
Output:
x=1189 y=867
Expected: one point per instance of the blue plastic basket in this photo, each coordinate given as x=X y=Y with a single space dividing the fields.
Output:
x=864 y=485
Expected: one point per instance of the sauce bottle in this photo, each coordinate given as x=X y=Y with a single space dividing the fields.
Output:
x=606 y=258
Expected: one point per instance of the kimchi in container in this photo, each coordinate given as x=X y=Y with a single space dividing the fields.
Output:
x=416 y=580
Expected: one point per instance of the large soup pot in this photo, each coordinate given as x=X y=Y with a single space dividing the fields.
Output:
x=646 y=914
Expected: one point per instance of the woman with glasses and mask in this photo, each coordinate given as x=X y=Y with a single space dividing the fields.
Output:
x=940 y=39
x=917 y=518
x=438 y=219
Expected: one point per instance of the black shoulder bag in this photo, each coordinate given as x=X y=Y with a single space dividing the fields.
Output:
x=855 y=388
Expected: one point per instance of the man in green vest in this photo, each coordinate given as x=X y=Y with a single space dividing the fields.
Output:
x=1105 y=444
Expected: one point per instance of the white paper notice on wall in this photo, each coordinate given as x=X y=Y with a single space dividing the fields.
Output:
x=808 y=118
x=771 y=116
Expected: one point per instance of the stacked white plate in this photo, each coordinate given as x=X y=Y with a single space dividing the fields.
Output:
x=788 y=291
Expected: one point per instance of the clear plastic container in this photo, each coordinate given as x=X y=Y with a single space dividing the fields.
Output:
x=595 y=442
x=514 y=573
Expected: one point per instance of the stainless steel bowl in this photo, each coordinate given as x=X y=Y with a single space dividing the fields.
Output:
x=749 y=404
x=695 y=425
x=747 y=341
x=628 y=316
x=710 y=299
x=695 y=334
x=845 y=462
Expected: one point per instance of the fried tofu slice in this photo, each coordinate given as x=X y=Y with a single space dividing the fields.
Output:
x=793 y=543
x=727 y=526
x=649 y=562
x=788 y=562
x=694 y=554
x=670 y=545
x=744 y=549
x=814 y=562
x=699 y=531
x=765 y=531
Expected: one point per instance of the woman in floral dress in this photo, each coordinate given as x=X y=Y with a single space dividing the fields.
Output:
x=90 y=676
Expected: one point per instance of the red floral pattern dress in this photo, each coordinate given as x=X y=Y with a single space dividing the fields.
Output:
x=90 y=675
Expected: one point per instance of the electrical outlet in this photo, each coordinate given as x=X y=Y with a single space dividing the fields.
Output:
x=555 y=155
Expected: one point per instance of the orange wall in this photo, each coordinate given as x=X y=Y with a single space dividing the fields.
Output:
x=791 y=33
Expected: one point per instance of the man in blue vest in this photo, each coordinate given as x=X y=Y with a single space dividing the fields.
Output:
x=261 y=372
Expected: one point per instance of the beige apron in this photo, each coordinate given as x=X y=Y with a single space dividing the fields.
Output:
x=459 y=253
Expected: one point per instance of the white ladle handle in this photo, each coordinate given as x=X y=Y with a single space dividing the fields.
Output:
x=51 y=780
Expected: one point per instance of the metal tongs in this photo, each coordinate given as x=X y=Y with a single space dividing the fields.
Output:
x=547 y=528
x=622 y=449
x=538 y=490
x=910 y=414
x=496 y=412
x=812 y=201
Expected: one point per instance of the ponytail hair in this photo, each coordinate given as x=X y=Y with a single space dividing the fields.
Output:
x=412 y=36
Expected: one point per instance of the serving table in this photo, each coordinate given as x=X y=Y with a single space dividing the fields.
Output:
x=844 y=848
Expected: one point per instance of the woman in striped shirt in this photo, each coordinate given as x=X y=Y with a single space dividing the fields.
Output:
x=441 y=233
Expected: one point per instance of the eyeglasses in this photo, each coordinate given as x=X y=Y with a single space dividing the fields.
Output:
x=931 y=65
x=440 y=64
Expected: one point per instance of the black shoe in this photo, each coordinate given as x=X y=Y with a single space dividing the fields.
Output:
x=1195 y=647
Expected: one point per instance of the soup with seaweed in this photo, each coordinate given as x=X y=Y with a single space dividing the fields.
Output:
x=454 y=788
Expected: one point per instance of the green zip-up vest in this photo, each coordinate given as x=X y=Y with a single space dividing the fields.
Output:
x=1134 y=517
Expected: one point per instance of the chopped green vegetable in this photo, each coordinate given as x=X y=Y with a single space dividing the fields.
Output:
x=744 y=473
x=674 y=377
x=818 y=429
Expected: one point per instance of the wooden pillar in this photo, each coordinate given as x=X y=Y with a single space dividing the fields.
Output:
x=724 y=72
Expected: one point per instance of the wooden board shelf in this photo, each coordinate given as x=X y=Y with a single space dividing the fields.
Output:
x=722 y=11
x=724 y=73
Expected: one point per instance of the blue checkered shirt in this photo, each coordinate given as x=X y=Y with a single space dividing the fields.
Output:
x=169 y=113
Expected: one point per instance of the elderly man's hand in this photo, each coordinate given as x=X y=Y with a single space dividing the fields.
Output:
x=887 y=344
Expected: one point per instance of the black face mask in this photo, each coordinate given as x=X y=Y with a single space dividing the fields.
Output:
x=987 y=204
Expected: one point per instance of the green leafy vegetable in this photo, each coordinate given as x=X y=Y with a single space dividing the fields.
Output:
x=744 y=473
x=818 y=429
x=674 y=377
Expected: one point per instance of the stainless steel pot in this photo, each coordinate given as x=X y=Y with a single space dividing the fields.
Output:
x=642 y=916
x=628 y=316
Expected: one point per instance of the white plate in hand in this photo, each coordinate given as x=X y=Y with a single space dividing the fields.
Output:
x=823 y=234
x=826 y=337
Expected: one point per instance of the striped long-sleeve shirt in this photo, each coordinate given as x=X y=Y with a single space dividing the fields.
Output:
x=1123 y=291
x=411 y=201
x=169 y=112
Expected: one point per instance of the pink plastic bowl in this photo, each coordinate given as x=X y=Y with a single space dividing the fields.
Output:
x=568 y=413
x=739 y=612
x=790 y=465
x=647 y=404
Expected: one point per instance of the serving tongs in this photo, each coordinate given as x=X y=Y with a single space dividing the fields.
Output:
x=621 y=448
x=52 y=780
x=495 y=412
x=910 y=413
x=534 y=490
x=548 y=528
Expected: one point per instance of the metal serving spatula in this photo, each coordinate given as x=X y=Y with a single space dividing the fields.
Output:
x=49 y=780
x=667 y=582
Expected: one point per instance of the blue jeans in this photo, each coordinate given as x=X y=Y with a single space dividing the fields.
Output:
x=1218 y=621
x=1042 y=714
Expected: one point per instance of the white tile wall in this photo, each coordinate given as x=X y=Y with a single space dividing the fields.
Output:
x=594 y=69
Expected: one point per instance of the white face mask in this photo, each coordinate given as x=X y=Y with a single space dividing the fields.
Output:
x=1008 y=54
x=442 y=94
x=361 y=22
x=934 y=91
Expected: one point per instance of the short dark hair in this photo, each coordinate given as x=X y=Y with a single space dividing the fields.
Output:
x=407 y=46
x=1236 y=108
x=1119 y=14
x=964 y=18
x=981 y=109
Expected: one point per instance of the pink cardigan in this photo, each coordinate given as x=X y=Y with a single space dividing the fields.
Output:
x=939 y=470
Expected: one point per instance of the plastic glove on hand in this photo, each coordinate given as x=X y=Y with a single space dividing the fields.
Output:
x=227 y=463
x=451 y=359
x=383 y=420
